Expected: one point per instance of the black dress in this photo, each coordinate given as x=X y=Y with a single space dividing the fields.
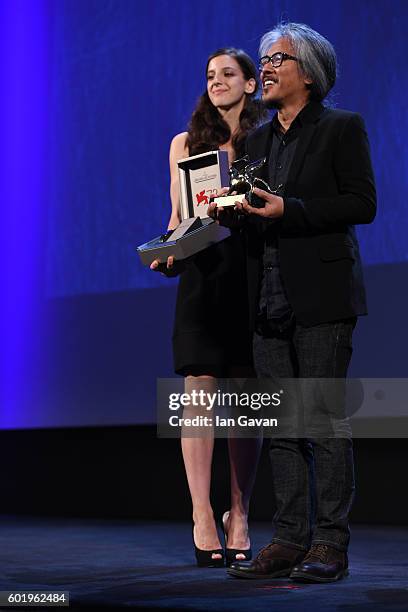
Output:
x=211 y=333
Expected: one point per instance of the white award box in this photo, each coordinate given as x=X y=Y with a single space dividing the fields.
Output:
x=200 y=176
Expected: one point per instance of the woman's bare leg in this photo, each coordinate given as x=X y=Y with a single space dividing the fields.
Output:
x=197 y=454
x=244 y=455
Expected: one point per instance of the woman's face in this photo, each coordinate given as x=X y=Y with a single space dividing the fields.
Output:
x=226 y=84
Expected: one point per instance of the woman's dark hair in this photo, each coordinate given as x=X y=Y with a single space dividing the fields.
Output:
x=207 y=130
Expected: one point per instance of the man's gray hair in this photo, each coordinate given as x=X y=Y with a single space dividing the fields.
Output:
x=316 y=55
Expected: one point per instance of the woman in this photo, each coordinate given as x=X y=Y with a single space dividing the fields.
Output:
x=207 y=344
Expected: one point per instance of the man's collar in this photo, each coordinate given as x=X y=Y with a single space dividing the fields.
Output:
x=308 y=114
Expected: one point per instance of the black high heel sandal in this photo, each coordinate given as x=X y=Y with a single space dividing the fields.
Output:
x=231 y=553
x=204 y=557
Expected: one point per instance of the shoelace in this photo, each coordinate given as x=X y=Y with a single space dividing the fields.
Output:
x=318 y=552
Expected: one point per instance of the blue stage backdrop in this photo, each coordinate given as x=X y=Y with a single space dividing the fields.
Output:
x=92 y=93
x=125 y=78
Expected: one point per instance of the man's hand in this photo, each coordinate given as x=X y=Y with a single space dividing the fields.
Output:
x=228 y=217
x=170 y=269
x=212 y=210
x=273 y=205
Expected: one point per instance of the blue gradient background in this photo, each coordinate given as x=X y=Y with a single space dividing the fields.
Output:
x=125 y=77
x=92 y=93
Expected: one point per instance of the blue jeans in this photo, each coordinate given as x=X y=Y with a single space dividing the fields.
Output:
x=313 y=478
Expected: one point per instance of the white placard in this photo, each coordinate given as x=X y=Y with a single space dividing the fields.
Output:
x=200 y=177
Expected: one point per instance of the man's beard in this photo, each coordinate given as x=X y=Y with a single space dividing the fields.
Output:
x=272 y=104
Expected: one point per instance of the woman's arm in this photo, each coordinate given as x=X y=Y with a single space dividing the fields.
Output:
x=178 y=150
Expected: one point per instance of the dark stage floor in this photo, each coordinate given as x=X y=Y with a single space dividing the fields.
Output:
x=147 y=565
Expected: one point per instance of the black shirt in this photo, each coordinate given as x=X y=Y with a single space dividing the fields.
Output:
x=273 y=302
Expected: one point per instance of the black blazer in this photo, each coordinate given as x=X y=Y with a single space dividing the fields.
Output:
x=330 y=188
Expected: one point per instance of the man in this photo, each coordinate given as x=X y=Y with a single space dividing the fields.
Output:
x=306 y=289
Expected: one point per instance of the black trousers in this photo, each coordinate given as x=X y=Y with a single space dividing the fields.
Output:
x=313 y=476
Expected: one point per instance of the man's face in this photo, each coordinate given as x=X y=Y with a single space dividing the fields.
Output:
x=285 y=85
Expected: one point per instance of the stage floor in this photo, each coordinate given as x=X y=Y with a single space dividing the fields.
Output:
x=149 y=565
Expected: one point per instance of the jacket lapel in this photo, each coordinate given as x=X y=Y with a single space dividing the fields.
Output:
x=305 y=137
x=309 y=124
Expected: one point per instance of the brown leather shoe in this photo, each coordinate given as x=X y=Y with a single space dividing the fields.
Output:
x=321 y=564
x=272 y=561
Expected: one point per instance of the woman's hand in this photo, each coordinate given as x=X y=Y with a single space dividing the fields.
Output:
x=170 y=269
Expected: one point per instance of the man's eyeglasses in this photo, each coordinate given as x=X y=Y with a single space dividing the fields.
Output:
x=276 y=59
